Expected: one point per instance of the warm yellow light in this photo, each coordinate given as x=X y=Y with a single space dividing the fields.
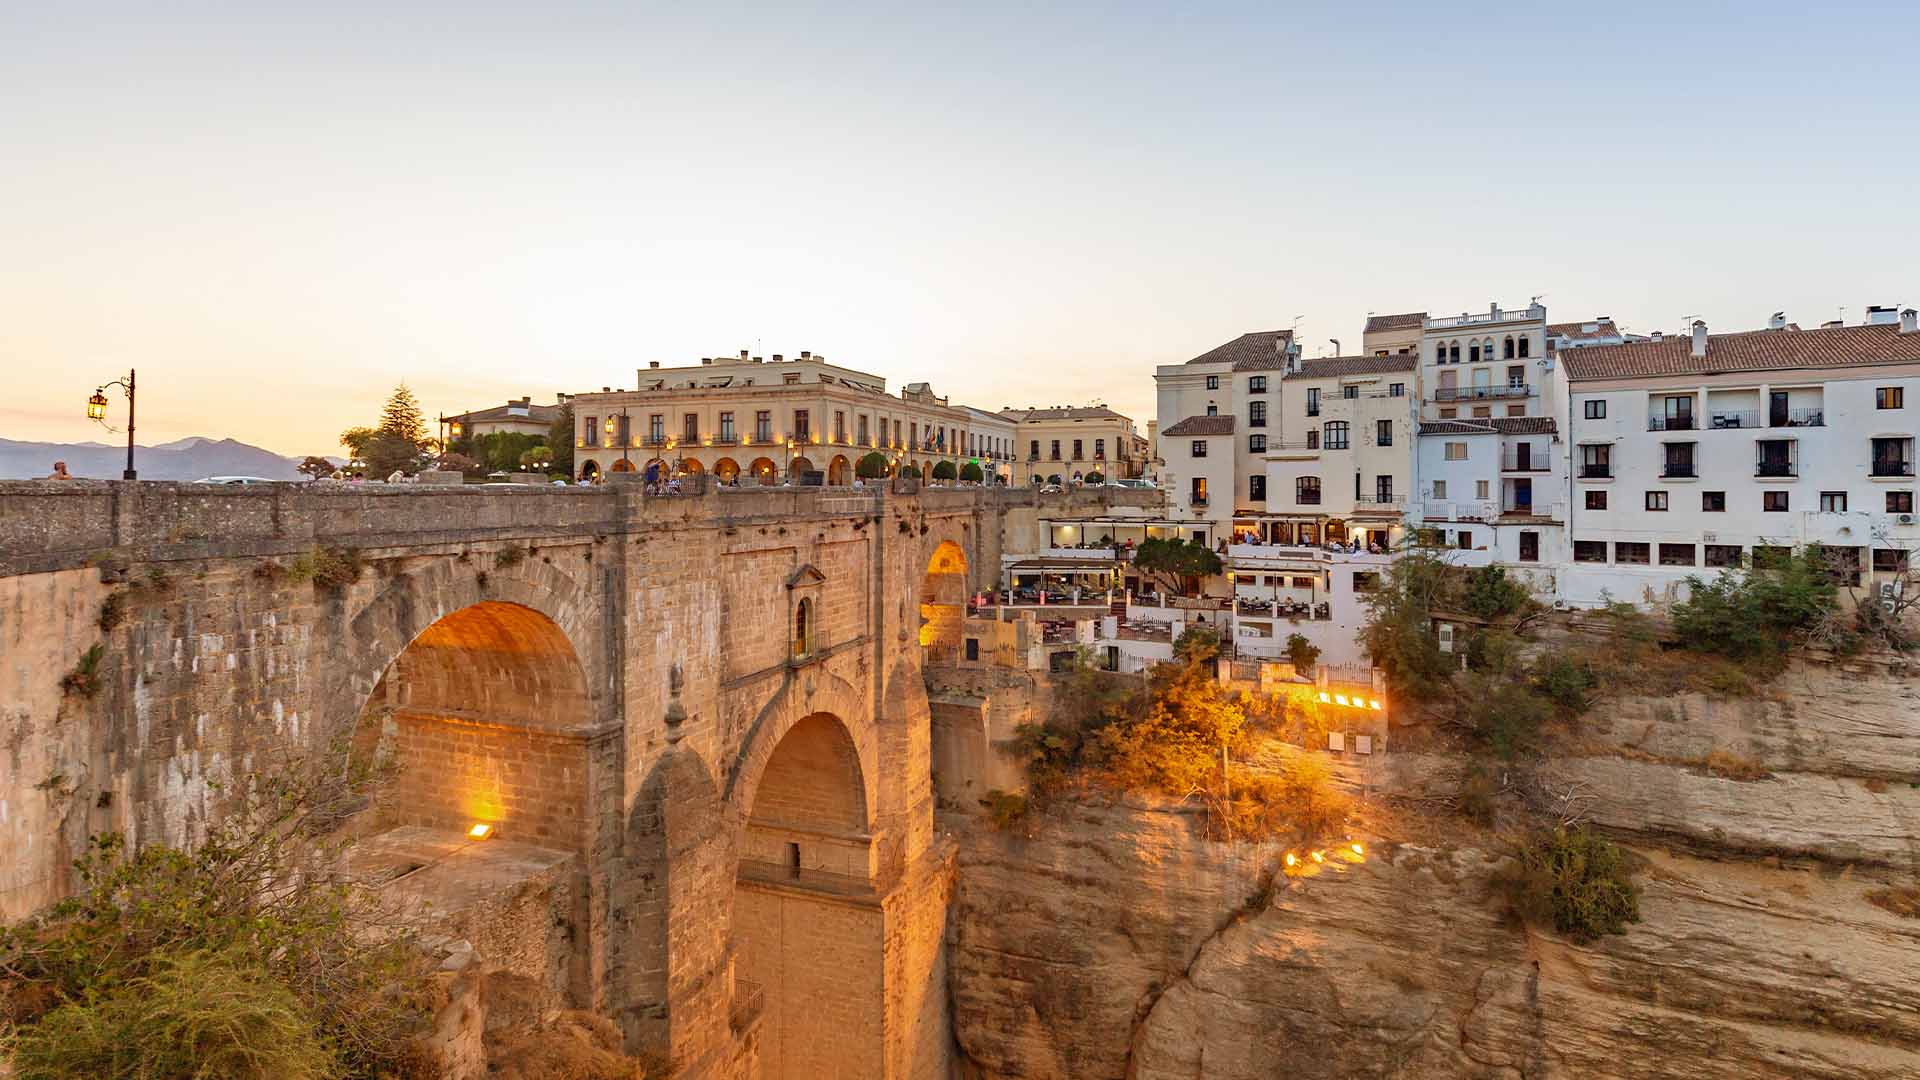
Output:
x=1341 y=699
x=480 y=832
x=1358 y=850
x=97 y=406
x=1324 y=696
x=1318 y=857
x=1376 y=705
x=1290 y=859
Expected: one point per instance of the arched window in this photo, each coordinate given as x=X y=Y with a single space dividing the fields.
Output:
x=803 y=629
x=1336 y=435
x=1453 y=353
x=1473 y=353
x=1523 y=345
x=1306 y=490
x=1507 y=352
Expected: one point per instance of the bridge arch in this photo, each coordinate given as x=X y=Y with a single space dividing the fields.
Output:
x=943 y=598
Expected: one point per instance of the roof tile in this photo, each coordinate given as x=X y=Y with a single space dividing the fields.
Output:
x=1202 y=425
x=1751 y=350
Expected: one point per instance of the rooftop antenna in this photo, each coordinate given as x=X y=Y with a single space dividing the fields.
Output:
x=1535 y=299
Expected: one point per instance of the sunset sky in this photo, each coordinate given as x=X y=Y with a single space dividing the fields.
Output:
x=279 y=212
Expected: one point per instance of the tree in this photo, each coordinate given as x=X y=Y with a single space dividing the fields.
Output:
x=1095 y=478
x=944 y=470
x=357 y=439
x=1399 y=632
x=871 y=467
x=401 y=417
x=537 y=459
x=389 y=453
x=1302 y=653
x=560 y=439
x=459 y=463
x=502 y=451
x=910 y=472
x=1491 y=594
x=316 y=467
x=1761 y=613
x=1177 y=561
x=971 y=473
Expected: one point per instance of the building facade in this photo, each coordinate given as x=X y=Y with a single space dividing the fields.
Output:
x=1708 y=451
x=1064 y=445
x=1208 y=408
x=520 y=416
x=748 y=420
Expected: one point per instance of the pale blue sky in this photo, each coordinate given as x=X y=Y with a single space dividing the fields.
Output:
x=277 y=212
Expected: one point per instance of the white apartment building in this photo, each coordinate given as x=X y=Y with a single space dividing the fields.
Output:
x=1491 y=461
x=1344 y=470
x=1703 y=451
x=746 y=420
x=1207 y=407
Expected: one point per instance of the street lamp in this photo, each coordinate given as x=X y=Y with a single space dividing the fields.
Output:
x=97 y=412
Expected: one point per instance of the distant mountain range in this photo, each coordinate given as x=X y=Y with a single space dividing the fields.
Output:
x=184 y=459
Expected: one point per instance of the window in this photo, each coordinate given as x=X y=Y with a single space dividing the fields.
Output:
x=1516 y=410
x=1439 y=489
x=1313 y=438
x=839 y=426
x=1383 y=433
x=1889 y=560
x=1524 y=340
x=1213 y=410
x=1506 y=349
x=1078 y=450
x=913 y=435
x=1529 y=545
x=1713 y=502
x=861 y=434
x=1303 y=583
x=1398 y=389
x=1776 y=458
x=1890 y=397
x=1899 y=502
x=883 y=431
x=1197 y=494
x=802 y=425
x=1464 y=539
x=1256 y=444
x=1213 y=382
x=1473 y=353
x=1448 y=414
x=1679 y=461
x=1483 y=410
x=1596 y=462
x=1833 y=502
x=1722 y=555
x=1257 y=488
x=1892 y=457
x=1306 y=490
x=1676 y=554
x=1479 y=489
x=1453 y=353
x=973 y=648
x=1773 y=502
x=1054 y=449
x=803 y=629
x=1351 y=393
x=1257 y=384
x=1199 y=448
x=593 y=431
x=1771 y=558
x=1336 y=435
x=1099 y=449
x=1257 y=414
x=726 y=427
x=1516 y=377
x=690 y=427
x=656 y=429
x=1631 y=553
x=763 y=426
x=1456 y=451
x=1383 y=488
x=1589 y=551
x=1675 y=413
x=1657 y=500
x=1366 y=581
x=792 y=380
x=1033 y=449
x=1313 y=401
x=1596 y=500
x=1595 y=408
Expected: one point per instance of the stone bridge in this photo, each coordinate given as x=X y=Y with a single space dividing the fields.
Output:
x=707 y=711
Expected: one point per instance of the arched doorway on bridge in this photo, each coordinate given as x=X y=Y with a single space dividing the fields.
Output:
x=839 y=472
x=727 y=469
x=943 y=601
x=764 y=471
x=808 y=932
x=481 y=718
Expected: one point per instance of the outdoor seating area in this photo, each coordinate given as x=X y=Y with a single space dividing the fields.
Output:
x=1283 y=608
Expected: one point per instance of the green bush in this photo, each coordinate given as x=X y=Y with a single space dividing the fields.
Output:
x=1566 y=682
x=1503 y=714
x=84 y=679
x=1491 y=594
x=198 y=1014
x=1399 y=635
x=1575 y=881
x=1095 y=478
x=327 y=567
x=871 y=466
x=910 y=472
x=1760 y=613
x=944 y=470
x=971 y=473
x=1005 y=809
x=1303 y=654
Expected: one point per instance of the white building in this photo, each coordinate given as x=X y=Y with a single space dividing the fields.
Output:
x=1491 y=462
x=1207 y=408
x=1698 y=452
x=1343 y=470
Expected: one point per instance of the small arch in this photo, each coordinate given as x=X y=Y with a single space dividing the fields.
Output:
x=1507 y=349
x=804 y=628
x=623 y=465
x=727 y=469
x=943 y=601
x=799 y=468
x=764 y=471
x=589 y=471
x=1524 y=347
x=691 y=467
x=839 y=471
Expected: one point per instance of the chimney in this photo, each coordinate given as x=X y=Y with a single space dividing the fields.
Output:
x=1657 y=337
x=777 y=358
x=1910 y=322
x=1699 y=337
x=1881 y=316
x=1493 y=309
x=1778 y=321
x=805 y=355
x=656 y=363
x=1832 y=324
x=606 y=389
x=743 y=354
x=1336 y=345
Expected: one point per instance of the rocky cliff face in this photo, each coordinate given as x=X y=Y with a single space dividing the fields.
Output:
x=1115 y=943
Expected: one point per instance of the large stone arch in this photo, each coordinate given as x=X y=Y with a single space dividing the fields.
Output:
x=804 y=692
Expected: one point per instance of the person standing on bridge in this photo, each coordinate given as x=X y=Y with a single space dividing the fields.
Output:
x=60 y=472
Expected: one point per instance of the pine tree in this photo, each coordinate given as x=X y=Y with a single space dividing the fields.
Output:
x=402 y=417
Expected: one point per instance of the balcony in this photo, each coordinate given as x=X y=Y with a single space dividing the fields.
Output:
x=1890 y=467
x=1739 y=418
x=726 y=438
x=1679 y=470
x=654 y=440
x=1516 y=463
x=1775 y=469
x=1196 y=500
x=1589 y=471
x=1798 y=418
x=1481 y=393
x=1670 y=423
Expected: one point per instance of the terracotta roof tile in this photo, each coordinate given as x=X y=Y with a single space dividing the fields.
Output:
x=1752 y=350
x=1328 y=367
x=1093 y=412
x=1489 y=425
x=1248 y=352
x=1410 y=320
x=1202 y=425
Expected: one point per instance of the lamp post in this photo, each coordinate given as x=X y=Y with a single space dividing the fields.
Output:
x=97 y=412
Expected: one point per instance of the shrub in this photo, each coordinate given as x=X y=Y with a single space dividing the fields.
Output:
x=1477 y=797
x=872 y=466
x=1095 y=478
x=1566 y=682
x=85 y=679
x=198 y=1014
x=508 y=557
x=1503 y=715
x=1005 y=809
x=1302 y=653
x=1302 y=804
x=1731 y=766
x=971 y=472
x=1197 y=645
x=1575 y=881
x=1491 y=594
x=1399 y=635
x=943 y=470
x=113 y=612
x=1760 y=613
x=910 y=472
x=327 y=567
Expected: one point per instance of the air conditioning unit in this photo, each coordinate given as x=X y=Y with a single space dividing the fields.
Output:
x=1905 y=519
x=1446 y=637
